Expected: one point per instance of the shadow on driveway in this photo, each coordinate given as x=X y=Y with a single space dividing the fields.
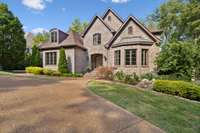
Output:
x=11 y=83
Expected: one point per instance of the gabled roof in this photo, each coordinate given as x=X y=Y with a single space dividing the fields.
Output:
x=93 y=21
x=114 y=13
x=131 y=18
x=72 y=40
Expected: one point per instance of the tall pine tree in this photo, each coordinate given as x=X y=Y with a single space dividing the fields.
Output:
x=12 y=41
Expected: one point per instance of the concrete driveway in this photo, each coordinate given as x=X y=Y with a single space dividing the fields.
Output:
x=40 y=105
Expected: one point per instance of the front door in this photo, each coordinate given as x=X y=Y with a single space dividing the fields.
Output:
x=97 y=60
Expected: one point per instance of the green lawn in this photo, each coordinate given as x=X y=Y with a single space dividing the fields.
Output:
x=171 y=114
x=5 y=73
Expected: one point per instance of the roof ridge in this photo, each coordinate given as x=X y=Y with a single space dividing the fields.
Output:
x=115 y=14
x=91 y=23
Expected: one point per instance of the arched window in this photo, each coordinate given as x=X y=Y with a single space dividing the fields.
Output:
x=97 y=39
x=130 y=30
x=109 y=18
x=54 y=36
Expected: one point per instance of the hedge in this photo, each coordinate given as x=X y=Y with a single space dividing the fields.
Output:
x=179 y=88
x=34 y=70
x=50 y=72
x=46 y=71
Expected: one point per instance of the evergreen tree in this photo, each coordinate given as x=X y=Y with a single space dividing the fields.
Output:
x=12 y=41
x=62 y=66
x=35 y=57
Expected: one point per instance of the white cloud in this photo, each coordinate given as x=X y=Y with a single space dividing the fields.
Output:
x=120 y=1
x=63 y=9
x=39 y=30
x=49 y=0
x=36 y=4
x=117 y=1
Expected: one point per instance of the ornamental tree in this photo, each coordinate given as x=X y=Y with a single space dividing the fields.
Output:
x=62 y=65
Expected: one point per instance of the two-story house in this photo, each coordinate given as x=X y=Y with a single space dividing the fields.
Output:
x=107 y=41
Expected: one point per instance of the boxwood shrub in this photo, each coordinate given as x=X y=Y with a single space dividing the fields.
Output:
x=34 y=70
x=179 y=88
x=50 y=72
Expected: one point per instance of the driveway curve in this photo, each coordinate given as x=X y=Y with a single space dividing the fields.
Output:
x=50 y=105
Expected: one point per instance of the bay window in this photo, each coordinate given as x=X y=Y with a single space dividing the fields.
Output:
x=130 y=57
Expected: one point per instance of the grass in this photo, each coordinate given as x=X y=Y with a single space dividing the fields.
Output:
x=5 y=73
x=174 y=115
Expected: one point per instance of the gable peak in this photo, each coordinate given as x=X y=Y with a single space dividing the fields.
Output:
x=114 y=13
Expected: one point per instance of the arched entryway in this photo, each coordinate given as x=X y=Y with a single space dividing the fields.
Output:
x=96 y=60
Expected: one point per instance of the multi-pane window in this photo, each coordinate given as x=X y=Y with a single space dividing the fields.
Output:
x=117 y=57
x=130 y=30
x=97 y=39
x=144 y=58
x=130 y=56
x=51 y=58
x=54 y=36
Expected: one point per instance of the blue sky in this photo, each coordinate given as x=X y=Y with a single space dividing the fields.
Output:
x=38 y=15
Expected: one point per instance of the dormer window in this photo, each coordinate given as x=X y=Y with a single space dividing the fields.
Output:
x=130 y=30
x=54 y=36
x=97 y=39
x=109 y=18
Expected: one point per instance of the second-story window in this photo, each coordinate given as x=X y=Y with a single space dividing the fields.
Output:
x=109 y=18
x=54 y=36
x=97 y=39
x=130 y=30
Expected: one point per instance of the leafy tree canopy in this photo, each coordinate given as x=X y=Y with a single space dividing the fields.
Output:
x=40 y=38
x=78 y=26
x=180 y=19
x=12 y=41
x=176 y=58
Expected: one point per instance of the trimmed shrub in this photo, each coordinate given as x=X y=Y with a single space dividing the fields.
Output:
x=148 y=76
x=62 y=65
x=72 y=75
x=50 y=72
x=120 y=76
x=34 y=70
x=173 y=77
x=78 y=75
x=179 y=88
x=105 y=73
x=131 y=79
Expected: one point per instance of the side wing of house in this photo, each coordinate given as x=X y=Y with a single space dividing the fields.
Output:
x=133 y=48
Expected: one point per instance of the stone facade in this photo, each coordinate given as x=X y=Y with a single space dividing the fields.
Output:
x=112 y=20
x=97 y=27
x=122 y=40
